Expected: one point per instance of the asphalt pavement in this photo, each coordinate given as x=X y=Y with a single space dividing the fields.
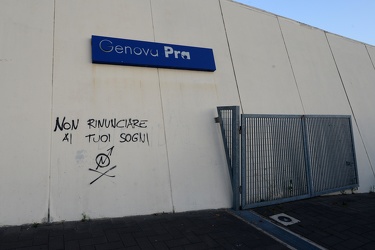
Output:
x=326 y=222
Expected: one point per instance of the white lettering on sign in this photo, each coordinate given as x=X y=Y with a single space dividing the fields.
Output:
x=107 y=46
x=169 y=51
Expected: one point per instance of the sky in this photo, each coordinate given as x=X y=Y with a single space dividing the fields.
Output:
x=354 y=19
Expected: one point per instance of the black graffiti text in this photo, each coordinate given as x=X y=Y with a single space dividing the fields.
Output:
x=65 y=125
x=135 y=137
x=68 y=138
x=116 y=123
x=99 y=138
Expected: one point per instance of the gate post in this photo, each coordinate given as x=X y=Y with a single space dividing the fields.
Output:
x=229 y=119
x=236 y=158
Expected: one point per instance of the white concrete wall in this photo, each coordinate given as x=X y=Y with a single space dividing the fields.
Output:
x=286 y=67
x=199 y=180
x=358 y=74
x=263 y=72
x=265 y=64
x=177 y=170
x=84 y=91
x=282 y=66
x=320 y=84
x=26 y=47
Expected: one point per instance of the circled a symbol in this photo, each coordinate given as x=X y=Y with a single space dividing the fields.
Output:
x=102 y=160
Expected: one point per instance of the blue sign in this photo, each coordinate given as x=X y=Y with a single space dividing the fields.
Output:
x=110 y=50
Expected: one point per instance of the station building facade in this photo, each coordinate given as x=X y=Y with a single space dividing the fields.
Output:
x=108 y=140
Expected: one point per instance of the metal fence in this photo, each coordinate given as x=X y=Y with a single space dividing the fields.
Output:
x=287 y=157
x=331 y=153
x=273 y=162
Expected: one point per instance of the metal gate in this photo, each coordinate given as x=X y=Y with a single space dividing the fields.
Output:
x=287 y=157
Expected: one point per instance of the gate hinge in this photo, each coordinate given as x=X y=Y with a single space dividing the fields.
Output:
x=217 y=119
x=240 y=130
x=240 y=189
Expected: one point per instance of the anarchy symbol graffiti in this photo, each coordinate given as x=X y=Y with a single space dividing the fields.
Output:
x=103 y=161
